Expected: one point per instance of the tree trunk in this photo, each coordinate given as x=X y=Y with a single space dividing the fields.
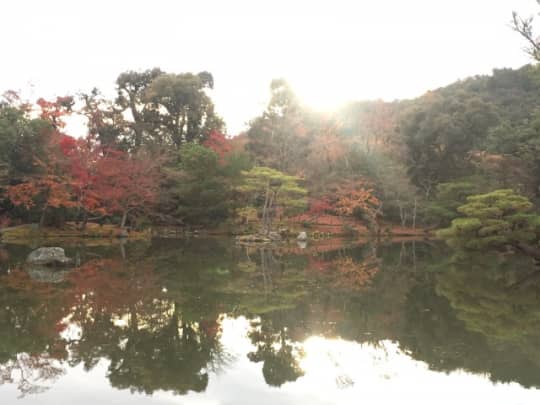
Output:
x=42 y=218
x=269 y=214
x=84 y=221
x=265 y=209
x=414 y=214
x=124 y=219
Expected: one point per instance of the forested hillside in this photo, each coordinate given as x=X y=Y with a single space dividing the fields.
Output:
x=159 y=154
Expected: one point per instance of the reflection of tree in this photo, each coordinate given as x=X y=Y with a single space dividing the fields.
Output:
x=489 y=299
x=274 y=348
x=125 y=316
x=266 y=280
x=28 y=371
x=173 y=358
x=355 y=275
x=156 y=315
x=345 y=271
x=31 y=316
x=155 y=337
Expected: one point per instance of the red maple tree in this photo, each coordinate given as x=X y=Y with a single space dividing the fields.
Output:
x=218 y=143
x=127 y=183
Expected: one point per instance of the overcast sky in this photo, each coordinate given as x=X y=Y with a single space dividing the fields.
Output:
x=329 y=51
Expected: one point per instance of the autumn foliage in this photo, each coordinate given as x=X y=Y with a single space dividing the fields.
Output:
x=82 y=174
x=217 y=142
x=357 y=198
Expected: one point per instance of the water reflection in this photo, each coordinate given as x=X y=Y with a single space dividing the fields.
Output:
x=178 y=317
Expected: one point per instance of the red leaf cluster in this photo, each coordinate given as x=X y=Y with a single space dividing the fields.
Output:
x=217 y=142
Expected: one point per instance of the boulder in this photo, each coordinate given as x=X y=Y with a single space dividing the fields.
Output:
x=48 y=256
x=302 y=236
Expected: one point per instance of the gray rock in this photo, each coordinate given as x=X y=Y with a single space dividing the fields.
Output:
x=302 y=236
x=48 y=256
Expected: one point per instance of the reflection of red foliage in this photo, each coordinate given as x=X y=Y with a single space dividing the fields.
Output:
x=4 y=255
x=19 y=280
x=60 y=326
x=322 y=266
x=210 y=327
x=351 y=275
x=110 y=284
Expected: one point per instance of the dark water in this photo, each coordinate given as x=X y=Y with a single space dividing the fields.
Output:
x=208 y=322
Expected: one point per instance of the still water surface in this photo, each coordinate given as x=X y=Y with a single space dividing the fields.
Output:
x=208 y=322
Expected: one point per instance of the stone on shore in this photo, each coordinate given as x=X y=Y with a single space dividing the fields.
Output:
x=302 y=236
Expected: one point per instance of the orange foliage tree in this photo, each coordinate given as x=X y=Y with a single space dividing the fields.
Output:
x=50 y=186
x=82 y=157
x=357 y=198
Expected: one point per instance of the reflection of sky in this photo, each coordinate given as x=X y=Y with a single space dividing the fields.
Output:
x=336 y=372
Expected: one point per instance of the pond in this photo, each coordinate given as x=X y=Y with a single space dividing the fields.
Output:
x=205 y=321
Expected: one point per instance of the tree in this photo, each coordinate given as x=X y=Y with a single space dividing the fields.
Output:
x=50 y=187
x=495 y=220
x=439 y=133
x=358 y=199
x=199 y=191
x=22 y=137
x=277 y=139
x=54 y=111
x=370 y=124
x=524 y=27
x=81 y=164
x=275 y=189
x=190 y=111
x=218 y=143
x=127 y=183
x=327 y=149
x=50 y=190
x=144 y=122
x=106 y=121
x=449 y=197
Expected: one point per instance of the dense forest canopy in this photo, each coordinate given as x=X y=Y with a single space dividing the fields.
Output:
x=158 y=153
x=479 y=134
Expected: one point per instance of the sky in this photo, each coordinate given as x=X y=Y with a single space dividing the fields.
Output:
x=330 y=51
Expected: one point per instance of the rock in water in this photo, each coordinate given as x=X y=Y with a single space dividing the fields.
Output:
x=49 y=256
x=302 y=236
